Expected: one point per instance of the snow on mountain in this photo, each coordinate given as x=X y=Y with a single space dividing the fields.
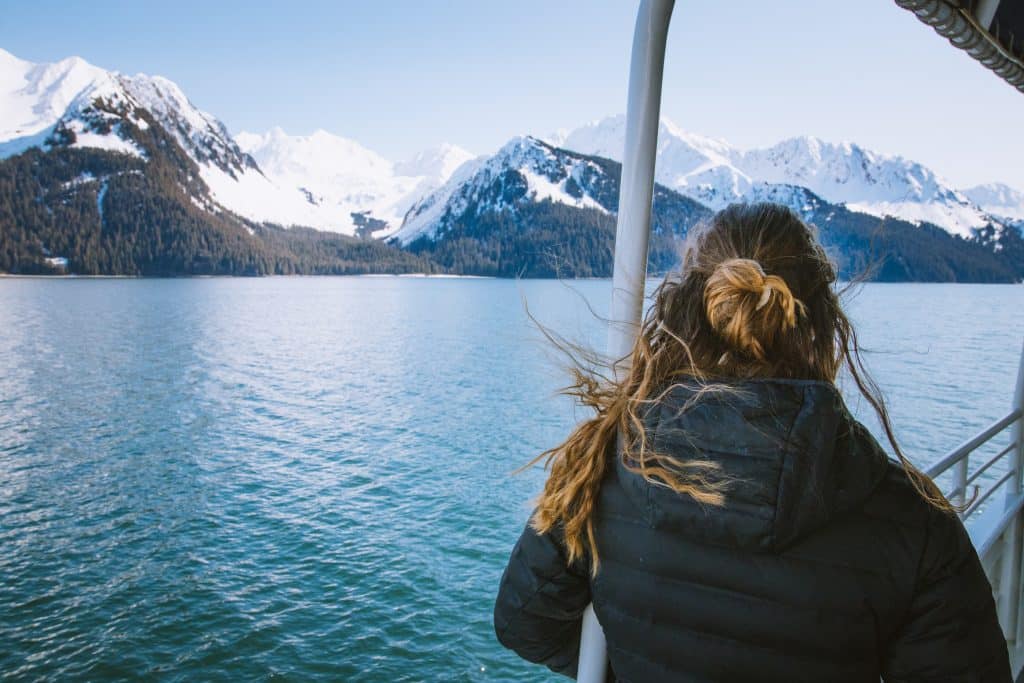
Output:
x=694 y=165
x=347 y=183
x=331 y=183
x=41 y=102
x=36 y=100
x=998 y=200
x=205 y=138
x=800 y=199
x=35 y=97
x=436 y=164
x=865 y=181
x=715 y=173
x=525 y=167
x=322 y=181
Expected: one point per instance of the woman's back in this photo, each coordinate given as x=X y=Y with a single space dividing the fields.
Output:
x=823 y=564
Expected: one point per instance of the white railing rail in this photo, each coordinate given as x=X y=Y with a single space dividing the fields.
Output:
x=958 y=461
x=995 y=529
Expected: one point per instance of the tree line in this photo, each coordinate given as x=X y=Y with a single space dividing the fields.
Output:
x=115 y=214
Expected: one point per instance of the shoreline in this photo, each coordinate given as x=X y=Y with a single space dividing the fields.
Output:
x=71 y=276
x=424 y=276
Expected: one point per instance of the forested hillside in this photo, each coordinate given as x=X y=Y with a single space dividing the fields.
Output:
x=115 y=214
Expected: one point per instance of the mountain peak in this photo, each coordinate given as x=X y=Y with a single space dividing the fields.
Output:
x=33 y=97
x=714 y=172
x=11 y=63
x=72 y=62
x=524 y=169
x=321 y=134
x=519 y=143
x=437 y=162
x=998 y=199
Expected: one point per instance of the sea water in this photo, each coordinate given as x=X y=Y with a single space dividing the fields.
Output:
x=296 y=478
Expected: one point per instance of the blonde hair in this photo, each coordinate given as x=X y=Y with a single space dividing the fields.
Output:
x=748 y=307
x=754 y=298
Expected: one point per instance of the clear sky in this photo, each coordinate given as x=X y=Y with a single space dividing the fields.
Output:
x=402 y=76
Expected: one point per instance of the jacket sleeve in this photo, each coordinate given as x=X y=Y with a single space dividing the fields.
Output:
x=951 y=632
x=539 y=609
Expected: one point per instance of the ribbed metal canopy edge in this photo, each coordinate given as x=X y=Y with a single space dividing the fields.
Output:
x=990 y=31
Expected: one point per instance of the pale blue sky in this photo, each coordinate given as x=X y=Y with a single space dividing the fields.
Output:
x=401 y=76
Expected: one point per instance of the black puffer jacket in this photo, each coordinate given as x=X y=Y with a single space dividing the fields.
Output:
x=823 y=565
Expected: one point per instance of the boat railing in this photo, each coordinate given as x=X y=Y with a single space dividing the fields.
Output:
x=991 y=503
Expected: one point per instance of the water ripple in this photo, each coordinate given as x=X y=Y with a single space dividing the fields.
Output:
x=295 y=478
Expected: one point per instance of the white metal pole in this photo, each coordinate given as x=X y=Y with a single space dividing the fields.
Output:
x=632 y=232
x=636 y=188
x=1010 y=582
x=960 y=481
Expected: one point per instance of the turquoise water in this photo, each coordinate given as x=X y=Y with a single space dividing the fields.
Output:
x=292 y=478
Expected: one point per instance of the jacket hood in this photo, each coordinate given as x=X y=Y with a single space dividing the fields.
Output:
x=792 y=456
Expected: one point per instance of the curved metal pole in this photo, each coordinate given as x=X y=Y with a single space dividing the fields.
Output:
x=636 y=188
x=632 y=233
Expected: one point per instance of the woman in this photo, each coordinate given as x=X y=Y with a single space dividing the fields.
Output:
x=749 y=528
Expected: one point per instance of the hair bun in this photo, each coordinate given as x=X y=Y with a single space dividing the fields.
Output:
x=748 y=307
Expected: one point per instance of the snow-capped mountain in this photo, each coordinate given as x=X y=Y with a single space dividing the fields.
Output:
x=348 y=183
x=74 y=103
x=527 y=172
x=716 y=173
x=865 y=181
x=34 y=98
x=127 y=177
x=998 y=200
x=436 y=164
x=38 y=101
x=524 y=168
x=321 y=181
x=535 y=210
